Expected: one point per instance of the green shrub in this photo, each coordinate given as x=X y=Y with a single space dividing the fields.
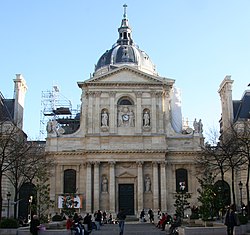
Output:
x=243 y=219
x=9 y=223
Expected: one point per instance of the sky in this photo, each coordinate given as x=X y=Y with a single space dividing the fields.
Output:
x=58 y=42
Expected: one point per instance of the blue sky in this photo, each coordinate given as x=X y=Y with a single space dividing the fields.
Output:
x=195 y=42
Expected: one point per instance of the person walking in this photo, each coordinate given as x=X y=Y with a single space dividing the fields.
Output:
x=230 y=219
x=34 y=225
x=121 y=216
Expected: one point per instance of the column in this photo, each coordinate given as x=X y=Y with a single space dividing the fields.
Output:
x=112 y=187
x=159 y=97
x=163 y=187
x=90 y=113
x=166 y=108
x=153 y=121
x=155 y=186
x=88 y=187
x=140 y=187
x=96 y=186
x=112 y=112
x=97 y=114
x=138 y=123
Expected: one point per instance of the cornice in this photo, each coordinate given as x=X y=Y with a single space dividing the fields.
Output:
x=87 y=152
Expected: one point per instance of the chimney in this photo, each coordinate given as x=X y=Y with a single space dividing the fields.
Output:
x=20 y=89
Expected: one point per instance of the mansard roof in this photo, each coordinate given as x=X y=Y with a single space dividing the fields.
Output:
x=241 y=108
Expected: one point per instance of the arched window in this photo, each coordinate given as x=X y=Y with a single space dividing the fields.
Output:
x=69 y=181
x=125 y=101
x=181 y=180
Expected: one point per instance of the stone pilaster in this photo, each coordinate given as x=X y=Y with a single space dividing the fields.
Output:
x=166 y=96
x=163 y=187
x=159 y=97
x=90 y=113
x=138 y=123
x=88 y=187
x=97 y=114
x=153 y=121
x=96 y=186
x=140 y=186
x=155 y=186
x=112 y=187
x=112 y=112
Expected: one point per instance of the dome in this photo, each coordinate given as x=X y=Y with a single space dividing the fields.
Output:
x=124 y=52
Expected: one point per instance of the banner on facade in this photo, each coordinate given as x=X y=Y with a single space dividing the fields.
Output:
x=70 y=201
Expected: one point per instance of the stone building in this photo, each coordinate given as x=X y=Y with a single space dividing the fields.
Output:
x=131 y=150
x=11 y=124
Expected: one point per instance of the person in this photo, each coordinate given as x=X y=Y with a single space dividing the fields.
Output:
x=142 y=216
x=104 y=216
x=34 y=225
x=87 y=220
x=98 y=219
x=110 y=219
x=121 y=216
x=168 y=220
x=161 y=221
x=151 y=215
x=176 y=223
x=105 y=118
x=230 y=219
x=69 y=222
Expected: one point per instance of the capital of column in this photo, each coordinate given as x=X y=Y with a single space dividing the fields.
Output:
x=112 y=93
x=96 y=163
x=112 y=163
x=140 y=163
x=155 y=163
x=138 y=94
x=97 y=93
x=163 y=164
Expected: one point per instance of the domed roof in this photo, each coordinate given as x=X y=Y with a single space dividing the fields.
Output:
x=124 y=52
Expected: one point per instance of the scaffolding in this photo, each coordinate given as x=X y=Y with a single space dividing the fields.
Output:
x=55 y=106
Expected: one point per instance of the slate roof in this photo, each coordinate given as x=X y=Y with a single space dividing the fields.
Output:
x=6 y=108
x=241 y=108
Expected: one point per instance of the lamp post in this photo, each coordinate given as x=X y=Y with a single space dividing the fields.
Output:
x=30 y=204
x=182 y=188
x=8 y=208
x=240 y=187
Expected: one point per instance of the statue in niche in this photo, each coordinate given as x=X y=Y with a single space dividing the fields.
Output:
x=146 y=118
x=105 y=118
x=147 y=184
x=131 y=118
x=104 y=184
x=120 y=119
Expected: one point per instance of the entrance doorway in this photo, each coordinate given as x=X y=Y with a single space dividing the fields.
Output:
x=126 y=198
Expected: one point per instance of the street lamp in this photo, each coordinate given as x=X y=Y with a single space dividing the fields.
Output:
x=182 y=189
x=240 y=187
x=30 y=204
x=8 y=209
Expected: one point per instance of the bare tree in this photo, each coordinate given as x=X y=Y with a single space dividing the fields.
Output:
x=13 y=148
x=26 y=168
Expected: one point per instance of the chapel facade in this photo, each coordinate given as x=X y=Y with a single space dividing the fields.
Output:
x=131 y=149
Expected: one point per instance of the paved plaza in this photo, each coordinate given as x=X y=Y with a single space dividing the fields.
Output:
x=131 y=228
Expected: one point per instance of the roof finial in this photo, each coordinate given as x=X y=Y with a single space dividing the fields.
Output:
x=125 y=11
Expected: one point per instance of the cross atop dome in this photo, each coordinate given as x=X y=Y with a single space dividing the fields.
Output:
x=125 y=11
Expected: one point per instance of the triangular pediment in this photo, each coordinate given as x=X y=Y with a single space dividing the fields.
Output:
x=126 y=175
x=129 y=75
